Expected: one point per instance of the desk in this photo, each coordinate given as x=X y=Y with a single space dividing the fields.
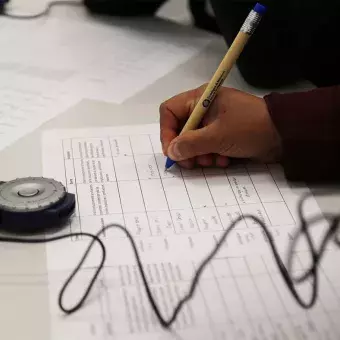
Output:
x=24 y=310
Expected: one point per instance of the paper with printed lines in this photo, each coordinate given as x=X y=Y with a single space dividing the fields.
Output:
x=176 y=217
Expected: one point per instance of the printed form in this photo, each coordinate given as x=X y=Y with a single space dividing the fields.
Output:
x=175 y=217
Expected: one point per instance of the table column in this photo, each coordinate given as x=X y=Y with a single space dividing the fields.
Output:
x=96 y=185
x=177 y=196
x=70 y=184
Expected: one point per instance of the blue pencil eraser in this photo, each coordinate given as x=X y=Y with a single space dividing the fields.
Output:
x=260 y=9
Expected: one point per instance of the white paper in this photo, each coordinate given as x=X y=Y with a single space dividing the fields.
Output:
x=24 y=107
x=72 y=59
x=176 y=217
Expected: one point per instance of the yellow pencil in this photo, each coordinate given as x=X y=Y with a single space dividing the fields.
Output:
x=222 y=71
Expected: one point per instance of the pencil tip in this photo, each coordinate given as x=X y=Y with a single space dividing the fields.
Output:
x=169 y=163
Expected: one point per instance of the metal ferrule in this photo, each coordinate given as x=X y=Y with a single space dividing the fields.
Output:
x=251 y=23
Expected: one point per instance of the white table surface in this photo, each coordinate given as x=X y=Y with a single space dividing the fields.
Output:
x=24 y=310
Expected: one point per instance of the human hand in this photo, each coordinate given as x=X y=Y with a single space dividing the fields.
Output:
x=237 y=125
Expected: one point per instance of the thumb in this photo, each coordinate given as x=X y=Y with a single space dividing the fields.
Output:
x=194 y=143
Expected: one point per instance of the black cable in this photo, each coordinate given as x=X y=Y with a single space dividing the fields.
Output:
x=43 y=13
x=303 y=230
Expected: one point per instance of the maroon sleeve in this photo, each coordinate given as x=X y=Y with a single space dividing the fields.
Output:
x=309 y=126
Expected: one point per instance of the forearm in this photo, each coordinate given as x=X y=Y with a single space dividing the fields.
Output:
x=309 y=126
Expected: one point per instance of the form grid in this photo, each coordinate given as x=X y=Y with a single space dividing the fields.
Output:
x=241 y=294
x=209 y=200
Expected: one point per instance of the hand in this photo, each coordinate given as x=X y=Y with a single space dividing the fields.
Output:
x=237 y=125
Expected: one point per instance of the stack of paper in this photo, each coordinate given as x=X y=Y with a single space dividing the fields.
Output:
x=50 y=64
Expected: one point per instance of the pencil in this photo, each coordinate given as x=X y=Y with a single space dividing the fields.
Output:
x=233 y=53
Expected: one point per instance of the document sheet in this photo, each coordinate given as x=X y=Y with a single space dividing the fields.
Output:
x=176 y=217
x=50 y=64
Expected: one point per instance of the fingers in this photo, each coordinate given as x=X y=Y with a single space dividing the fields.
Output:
x=194 y=143
x=187 y=163
x=200 y=161
x=205 y=161
x=222 y=161
x=175 y=112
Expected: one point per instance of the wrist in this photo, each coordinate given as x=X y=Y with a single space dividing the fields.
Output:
x=273 y=147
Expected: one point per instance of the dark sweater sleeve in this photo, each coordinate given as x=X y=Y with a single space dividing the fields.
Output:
x=309 y=126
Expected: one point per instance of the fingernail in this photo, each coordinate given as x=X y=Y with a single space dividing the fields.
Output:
x=174 y=152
